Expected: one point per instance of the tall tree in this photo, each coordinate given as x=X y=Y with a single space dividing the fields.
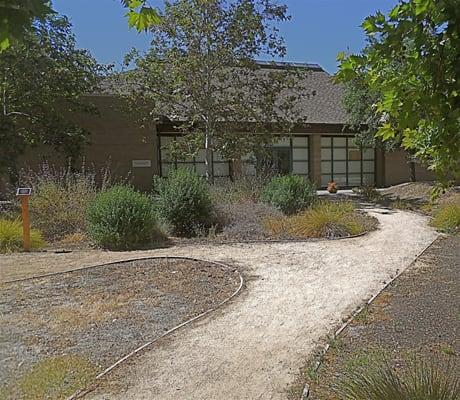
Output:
x=413 y=62
x=200 y=70
x=42 y=79
x=16 y=16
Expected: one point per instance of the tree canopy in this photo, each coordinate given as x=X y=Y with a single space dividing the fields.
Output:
x=17 y=16
x=412 y=63
x=42 y=79
x=201 y=71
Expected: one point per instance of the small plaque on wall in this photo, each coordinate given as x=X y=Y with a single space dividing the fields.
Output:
x=142 y=163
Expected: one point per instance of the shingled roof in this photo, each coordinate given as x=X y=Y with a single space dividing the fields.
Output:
x=324 y=106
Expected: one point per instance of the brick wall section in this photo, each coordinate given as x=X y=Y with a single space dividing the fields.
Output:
x=116 y=140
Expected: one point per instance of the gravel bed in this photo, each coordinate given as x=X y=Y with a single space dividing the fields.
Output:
x=416 y=315
x=103 y=313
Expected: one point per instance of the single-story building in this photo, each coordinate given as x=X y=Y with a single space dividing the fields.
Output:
x=323 y=149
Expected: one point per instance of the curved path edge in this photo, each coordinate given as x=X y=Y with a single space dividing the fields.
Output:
x=82 y=392
x=322 y=353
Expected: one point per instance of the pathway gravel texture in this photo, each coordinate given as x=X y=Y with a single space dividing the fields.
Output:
x=254 y=348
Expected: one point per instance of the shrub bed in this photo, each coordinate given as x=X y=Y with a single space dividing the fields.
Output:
x=289 y=193
x=183 y=202
x=324 y=220
x=121 y=219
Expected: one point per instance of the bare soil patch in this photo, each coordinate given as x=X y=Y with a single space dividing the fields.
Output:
x=416 y=315
x=86 y=320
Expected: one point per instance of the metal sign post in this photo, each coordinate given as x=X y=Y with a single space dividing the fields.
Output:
x=24 y=194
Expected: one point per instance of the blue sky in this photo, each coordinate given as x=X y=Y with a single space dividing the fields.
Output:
x=319 y=29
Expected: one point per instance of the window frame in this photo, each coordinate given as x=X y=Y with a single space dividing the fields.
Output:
x=347 y=147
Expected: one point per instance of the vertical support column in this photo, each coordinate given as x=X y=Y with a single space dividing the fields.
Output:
x=315 y=159
x=380 y=168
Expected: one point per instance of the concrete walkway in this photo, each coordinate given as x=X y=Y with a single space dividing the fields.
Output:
x=296 y=294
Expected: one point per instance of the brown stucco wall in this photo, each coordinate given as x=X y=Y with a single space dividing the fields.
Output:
x=397 y=170
x=115 y=141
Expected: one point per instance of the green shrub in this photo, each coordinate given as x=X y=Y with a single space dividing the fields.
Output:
x=121 y=218
x=11 y=236
x=447 y=218
x=418 y=380
x=328 y=219
x=183 y=201
x=289 y=193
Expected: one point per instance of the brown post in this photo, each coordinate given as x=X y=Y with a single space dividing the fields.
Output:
x=25 y=222
x=24 y=194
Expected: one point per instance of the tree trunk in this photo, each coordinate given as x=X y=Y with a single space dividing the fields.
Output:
x=208 y=159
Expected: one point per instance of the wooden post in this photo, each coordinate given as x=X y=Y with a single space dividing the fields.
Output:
x=24 y=194
x=25 y=222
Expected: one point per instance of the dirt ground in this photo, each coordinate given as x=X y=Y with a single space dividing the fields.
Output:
x=99 y=314
x=296 y=293
x=416 y=315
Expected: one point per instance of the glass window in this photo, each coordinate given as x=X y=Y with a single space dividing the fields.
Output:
x=300 y=141
x=345 y=162
x=300 y=167
x=300 y=154
x=368 y=179
x=340 y=154
x=341 y=179
x=200 y=169
x=325 y=179
x=325 y=141
x=368 y=166
x=354 y=179
x=340 y=167
x=354 y=167
x=326 y=154
x=326 y=167
x=201 y=155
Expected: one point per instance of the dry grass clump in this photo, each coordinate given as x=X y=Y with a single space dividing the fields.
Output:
x=244 y=189
x=53 y=379
x=419 y=379
x=11 y=236
x=61 y=196
x=324 y=220
x=446 y=218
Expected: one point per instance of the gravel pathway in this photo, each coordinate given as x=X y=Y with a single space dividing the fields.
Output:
x=296 y=293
